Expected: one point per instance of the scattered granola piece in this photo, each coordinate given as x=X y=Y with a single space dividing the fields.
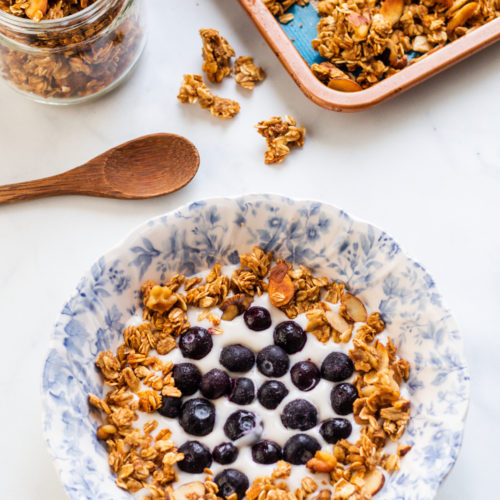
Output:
x=194 y=89
x=246 y=73
x=217 y=55
x=281 y=135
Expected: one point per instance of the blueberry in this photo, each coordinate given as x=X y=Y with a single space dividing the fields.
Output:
x=342 y=398
x=290 y=336
x=197 y=457
x=231 y=481
x=257 y=318
x=273 y=361
x=335 y=429
x=271 y=393
x=299 y=414
x=237 y=358
x=336 y=367
x=195 y=343
x=266 y=452
x=299 y=449
x=187 y=378
x=170 y=407
x=197 y=416
x=215 y=383
x=240 y=423
x=305 y=375
x=225 y=453
x=243 y=392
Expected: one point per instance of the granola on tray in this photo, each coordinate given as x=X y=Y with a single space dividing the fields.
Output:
x=368 y=40
x=145 y=387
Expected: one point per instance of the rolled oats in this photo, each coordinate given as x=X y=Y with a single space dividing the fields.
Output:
x=246 y=73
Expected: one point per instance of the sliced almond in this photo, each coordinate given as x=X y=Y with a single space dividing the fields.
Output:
x=457 y=4
x=360 y=24
x=374 y=480
x=36 y=9
x=344 y=85
x=189 y=491
x=337 y=322
x=234 y=306
x=355 y=308
x=281 y=288
x=461 y=16
x=392 y=10
x=421 y=44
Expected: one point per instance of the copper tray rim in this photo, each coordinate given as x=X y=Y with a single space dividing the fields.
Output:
x=334 y=100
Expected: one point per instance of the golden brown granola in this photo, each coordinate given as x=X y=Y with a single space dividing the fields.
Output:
x=217 y=55
x=138 y=380
x=44 y=9
x=372 y=39
x=194 y=89
x=75 y=62
x=366 y=40
x=246 y=73
x=279 y=7
x=280 y=135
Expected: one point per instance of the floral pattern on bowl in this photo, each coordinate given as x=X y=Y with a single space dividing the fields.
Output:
x=195 y=237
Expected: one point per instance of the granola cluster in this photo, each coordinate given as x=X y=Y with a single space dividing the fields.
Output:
x=280 y=135
x=217 y=64
x=193 y=89
x=216 y=54
x=365 y=41
x=76 y=62
x=137 y=381
x=246 y=73
x=279 y=8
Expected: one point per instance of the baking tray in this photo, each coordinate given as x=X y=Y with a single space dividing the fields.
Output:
x=292 y=44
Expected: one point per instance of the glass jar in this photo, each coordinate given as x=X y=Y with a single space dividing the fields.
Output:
x=73 y=58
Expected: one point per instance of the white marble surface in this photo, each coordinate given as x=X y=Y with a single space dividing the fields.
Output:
x=424 y=166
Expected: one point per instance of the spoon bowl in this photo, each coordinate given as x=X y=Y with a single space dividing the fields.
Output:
x=146 y=167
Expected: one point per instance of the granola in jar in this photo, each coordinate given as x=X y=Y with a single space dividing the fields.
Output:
x=69 y=50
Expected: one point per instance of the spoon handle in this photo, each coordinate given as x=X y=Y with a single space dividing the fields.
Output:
x=76 y=181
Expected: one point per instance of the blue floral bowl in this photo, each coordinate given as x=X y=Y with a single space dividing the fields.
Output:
x=320 y=236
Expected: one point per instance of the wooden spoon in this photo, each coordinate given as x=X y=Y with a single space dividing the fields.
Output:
x=152 y=165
